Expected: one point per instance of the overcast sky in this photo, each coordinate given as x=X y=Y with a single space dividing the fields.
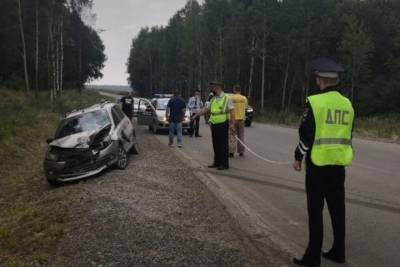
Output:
x=121 y=21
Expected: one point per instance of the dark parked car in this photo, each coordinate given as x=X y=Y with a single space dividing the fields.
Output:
x=88 y=141
x=249 y=116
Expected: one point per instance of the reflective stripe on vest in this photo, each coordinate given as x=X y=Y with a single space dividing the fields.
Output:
x=219 y=110
x=332 y=141
x=334 y=116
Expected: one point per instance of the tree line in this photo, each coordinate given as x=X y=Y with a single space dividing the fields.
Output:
x=266 y=46
x=49 y=45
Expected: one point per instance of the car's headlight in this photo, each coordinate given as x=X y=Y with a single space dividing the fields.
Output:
x=106 y=142
x=162 y=118
x=52 y=155
x=186 y=118
x=83 y=142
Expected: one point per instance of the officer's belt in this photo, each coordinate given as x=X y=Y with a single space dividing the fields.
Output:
x=332 y=141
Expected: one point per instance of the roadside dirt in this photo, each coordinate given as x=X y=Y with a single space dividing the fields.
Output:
x=156 y=212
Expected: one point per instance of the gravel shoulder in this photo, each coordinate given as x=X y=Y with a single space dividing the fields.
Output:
x=156 y=212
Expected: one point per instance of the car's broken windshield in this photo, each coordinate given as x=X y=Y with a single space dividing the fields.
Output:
x=83 y=122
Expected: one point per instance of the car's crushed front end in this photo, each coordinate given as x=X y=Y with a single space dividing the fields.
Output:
x=79 y=156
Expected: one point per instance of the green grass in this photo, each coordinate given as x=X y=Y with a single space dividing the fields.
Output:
x=375 y=127
x=386 y=127
x=32 y=215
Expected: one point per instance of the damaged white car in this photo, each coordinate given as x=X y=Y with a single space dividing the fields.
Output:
x=88 y=141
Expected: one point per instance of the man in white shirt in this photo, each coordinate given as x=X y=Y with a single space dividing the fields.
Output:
x=195 y=105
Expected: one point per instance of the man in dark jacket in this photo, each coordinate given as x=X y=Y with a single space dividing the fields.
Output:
x=325 y=142
x=127 y=105
x=175 y=114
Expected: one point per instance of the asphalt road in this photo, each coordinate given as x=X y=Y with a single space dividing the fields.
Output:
x=274 y=194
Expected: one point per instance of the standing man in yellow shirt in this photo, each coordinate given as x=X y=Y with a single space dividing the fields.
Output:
x=240 y=103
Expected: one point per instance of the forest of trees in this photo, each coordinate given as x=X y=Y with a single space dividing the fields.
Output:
x=48 y=45
x=266 y=46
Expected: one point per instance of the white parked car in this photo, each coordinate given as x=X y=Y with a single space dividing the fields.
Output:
x=152 y=114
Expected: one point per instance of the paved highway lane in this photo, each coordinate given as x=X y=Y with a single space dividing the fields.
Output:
x=274 y=194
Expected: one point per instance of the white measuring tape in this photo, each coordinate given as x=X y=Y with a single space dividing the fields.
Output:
x=261 y=157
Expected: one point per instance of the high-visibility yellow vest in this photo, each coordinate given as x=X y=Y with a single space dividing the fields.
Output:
x=219 y=110
x=334 y=116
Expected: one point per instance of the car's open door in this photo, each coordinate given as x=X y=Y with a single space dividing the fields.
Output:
x=145 y=112
x=135 y=106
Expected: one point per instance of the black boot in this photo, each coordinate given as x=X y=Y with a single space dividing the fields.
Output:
x=306 y=262
x=333 y=256
x=222 y=168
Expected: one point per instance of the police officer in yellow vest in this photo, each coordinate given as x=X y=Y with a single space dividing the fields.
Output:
x=221 y=109
x=326 y=142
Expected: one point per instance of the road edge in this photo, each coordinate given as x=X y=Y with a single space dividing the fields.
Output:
x=253 y=231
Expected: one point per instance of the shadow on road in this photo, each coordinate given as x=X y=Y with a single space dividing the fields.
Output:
x=367 y=204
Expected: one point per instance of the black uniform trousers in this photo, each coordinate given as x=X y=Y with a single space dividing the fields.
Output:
x=220 y=142
x=195 y=123
x=325 y=183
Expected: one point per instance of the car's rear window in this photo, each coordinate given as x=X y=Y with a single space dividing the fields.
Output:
x=83 y=122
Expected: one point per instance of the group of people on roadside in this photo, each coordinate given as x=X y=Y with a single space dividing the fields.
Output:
x=176 y=110
x=227 y=124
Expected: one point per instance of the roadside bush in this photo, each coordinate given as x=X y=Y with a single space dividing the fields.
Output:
x=379 y=126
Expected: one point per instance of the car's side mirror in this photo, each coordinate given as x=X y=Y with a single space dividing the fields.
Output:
x=49 y=140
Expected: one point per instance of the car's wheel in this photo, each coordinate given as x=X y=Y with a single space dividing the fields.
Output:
x=155 y=128
x=122 y=158
x=53 y=182
x=134 y=150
